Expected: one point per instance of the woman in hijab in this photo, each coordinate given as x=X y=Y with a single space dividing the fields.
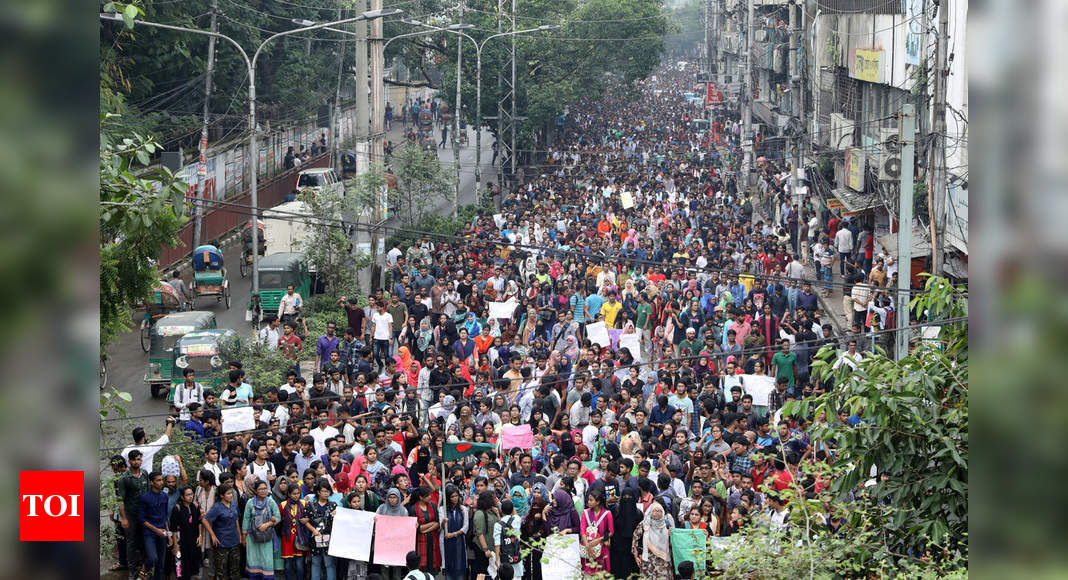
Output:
x=280 y=490
x=392 y=506
x=405 y=365
x=567 y=445
x=560 y=516
x=424 y=337
x=421 y=465
x=571 y=348
x=627 y=519
x=651 y=545
x=519 y=500
x=454 y=542
x=472 y=325
x=533 y=529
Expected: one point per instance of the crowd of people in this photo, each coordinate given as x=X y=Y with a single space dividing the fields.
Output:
x=631 y=304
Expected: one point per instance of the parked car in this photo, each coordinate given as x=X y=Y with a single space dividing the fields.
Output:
x=319 y=178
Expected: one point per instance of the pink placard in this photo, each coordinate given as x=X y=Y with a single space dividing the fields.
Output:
x=394 y=538
x=520 y=436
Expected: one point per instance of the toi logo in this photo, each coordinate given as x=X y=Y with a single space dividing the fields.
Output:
x=51 y=506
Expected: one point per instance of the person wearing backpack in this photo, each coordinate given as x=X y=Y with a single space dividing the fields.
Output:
x=667 y=495
x=506 y=538
x=596 y=529
x=261 y=515
x=413 y=561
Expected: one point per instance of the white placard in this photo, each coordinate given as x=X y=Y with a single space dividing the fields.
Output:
x=351 y=535
x=598 y=334
x=561 y=558
x=236 y=419
x=502 y=309
x=626 y=200
x=759 y=387
x=633 y=342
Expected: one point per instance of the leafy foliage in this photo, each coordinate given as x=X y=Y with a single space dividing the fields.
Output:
x=556 y=67
x=914 y=429
x=328 y=246
x=141 y=211
x=421 y=182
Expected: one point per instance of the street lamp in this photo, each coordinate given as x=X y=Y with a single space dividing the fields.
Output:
x=251 y=65
x=478 y=95
x=478 y=82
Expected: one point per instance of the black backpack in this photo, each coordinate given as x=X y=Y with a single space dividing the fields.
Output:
x=509 y=542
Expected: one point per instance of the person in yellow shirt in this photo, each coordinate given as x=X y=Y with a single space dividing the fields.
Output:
x=611 y=310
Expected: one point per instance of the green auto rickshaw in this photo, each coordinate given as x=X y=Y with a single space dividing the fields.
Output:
x=165 y=333
x=207 y=352
x=276 y=272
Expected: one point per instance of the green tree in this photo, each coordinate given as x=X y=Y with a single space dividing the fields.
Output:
x=328 y=246
x=421 y=183
x=141 y=210
x=914 y=428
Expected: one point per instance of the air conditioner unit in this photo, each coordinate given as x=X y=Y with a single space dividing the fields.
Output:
x=888 y=157
x=842 y=129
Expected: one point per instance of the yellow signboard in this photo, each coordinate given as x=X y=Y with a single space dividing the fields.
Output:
x=866 y=64
x=855 y=160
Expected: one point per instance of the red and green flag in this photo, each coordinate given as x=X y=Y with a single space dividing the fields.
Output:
x=454 y=451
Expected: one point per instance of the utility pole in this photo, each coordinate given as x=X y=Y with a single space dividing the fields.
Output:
x=456 y=117
x=335 y=117
x=936 y=168
x=202 y=169
x=747 y=98
x=377 y=119
x=904 y=229
x=796 y=98
x=515 y=94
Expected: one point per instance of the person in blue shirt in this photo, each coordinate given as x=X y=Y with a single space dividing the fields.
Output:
x=593 y=306
x=660 y=414
x=152 y=509
x=221 y=522
x=194 y=427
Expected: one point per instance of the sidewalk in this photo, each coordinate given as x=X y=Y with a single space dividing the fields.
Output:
x=831 y=307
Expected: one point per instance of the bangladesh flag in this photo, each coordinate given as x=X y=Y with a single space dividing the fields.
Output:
x=454 y=451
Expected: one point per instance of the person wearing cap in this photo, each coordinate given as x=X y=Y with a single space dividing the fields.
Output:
x=691 y=343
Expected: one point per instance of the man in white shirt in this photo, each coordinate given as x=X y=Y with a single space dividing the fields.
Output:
x=211 y=463
x=260 y=467
x=382 y=334
x=149 y=450
x=323 y=433
x=290 y=304
x=269 y=335
x=189 y=392
x=392 y=255
x=795 y=269
x=843 y=243
x=851 y=357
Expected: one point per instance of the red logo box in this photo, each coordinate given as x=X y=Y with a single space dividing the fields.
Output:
x=51 y=506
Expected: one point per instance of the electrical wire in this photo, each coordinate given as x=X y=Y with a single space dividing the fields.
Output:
x=340 y=223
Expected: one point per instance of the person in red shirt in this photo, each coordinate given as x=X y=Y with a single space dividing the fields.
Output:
x=761 y=469
x=291 y=345
x=784 y=476
x=832 y=225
